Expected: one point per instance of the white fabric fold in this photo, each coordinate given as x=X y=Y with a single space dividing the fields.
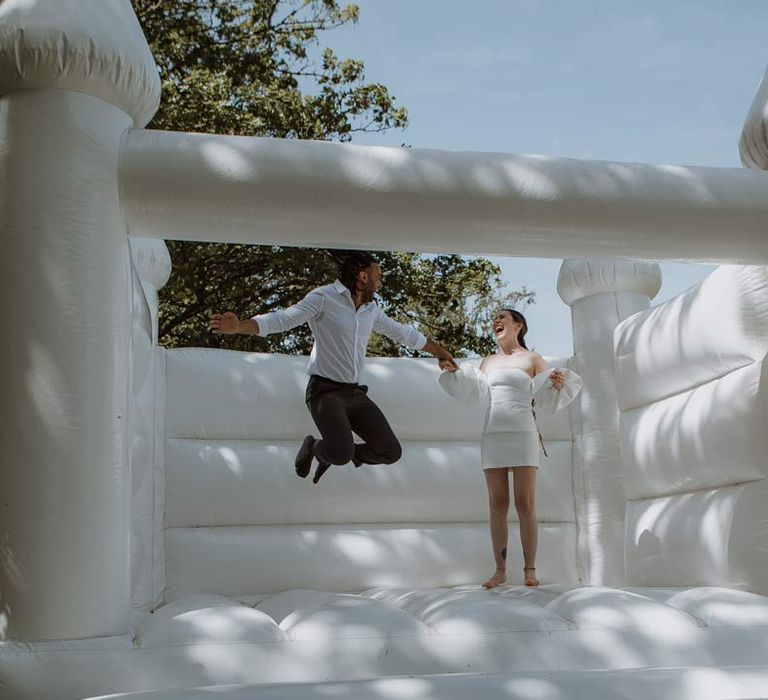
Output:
x=467 y=384
x=550 y=400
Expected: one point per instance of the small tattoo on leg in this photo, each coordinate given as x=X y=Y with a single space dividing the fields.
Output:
x=504 y=554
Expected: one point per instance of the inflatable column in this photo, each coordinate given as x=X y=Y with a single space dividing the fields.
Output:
x=74 y=75
x=151 y=270
x=601 y=294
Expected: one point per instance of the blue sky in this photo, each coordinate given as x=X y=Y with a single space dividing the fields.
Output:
x=652 y=81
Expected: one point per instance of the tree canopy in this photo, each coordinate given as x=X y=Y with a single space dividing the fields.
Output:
x=259 y=68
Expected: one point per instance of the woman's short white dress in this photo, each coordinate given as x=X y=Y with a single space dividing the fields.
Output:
x=510 y=436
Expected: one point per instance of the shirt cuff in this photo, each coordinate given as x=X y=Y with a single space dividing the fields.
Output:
x=420 y=340
x=263 y=321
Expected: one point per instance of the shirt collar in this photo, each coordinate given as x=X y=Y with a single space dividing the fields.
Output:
x=341 y=288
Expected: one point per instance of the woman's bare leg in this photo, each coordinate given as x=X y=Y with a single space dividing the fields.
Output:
x=497 y=481
x=524 y=484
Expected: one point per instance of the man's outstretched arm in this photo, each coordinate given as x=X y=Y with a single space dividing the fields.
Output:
x=229 y=324
x=274 y=322
x=444 y=358
x=410 y=337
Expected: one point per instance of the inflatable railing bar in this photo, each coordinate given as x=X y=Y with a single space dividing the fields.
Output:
x=303 y=193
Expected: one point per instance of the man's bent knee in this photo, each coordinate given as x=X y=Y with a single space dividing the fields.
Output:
x=392 y=454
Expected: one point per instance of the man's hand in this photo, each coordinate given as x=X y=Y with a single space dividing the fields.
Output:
x=227 y=323
x=444 y=358
x=447 y=364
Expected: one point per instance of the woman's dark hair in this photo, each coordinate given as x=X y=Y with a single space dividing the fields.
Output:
x=349 y=264
x=520 y=319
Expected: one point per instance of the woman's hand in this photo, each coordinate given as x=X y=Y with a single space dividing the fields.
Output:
x=557 y=379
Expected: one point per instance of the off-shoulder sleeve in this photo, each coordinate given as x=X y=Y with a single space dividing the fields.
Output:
x=467 y=384
x=547 y=398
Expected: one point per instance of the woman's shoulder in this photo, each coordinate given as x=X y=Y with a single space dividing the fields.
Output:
x=539 y=363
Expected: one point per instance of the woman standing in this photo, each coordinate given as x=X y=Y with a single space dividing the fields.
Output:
x=510 y=380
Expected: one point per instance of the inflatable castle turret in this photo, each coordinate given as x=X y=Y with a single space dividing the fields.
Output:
x=601 y=294
x=74 y=77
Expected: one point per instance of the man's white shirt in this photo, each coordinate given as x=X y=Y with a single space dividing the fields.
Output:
x=341 y=332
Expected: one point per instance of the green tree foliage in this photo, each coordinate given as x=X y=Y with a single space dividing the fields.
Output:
x=256 y=68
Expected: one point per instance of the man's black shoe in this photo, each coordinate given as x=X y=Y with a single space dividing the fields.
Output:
x=304 y=457
x=322 y=467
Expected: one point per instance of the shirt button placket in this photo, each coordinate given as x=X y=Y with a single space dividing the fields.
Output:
x=355 y=352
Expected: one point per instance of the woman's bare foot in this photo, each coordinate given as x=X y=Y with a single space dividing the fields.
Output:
x=497 y=579
x=529 y=576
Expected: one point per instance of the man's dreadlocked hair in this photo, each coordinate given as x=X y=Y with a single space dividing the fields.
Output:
x=349 y=263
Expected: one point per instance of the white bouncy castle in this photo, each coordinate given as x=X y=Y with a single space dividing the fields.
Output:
x=154 y=539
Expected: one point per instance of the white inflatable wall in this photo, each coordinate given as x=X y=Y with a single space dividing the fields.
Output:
x=233 y=503
x=692 y=392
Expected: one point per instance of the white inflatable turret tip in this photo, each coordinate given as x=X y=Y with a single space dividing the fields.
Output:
x=753 y=144
x=90 y=46
x=152 y=260
x=582 y=278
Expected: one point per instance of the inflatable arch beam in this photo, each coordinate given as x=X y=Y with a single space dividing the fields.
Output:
x=77 y=84
x=302 y=193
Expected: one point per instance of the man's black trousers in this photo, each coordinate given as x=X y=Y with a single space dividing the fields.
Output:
x=339 y=410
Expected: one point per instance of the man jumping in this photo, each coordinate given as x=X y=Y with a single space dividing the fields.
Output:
x=342 y=317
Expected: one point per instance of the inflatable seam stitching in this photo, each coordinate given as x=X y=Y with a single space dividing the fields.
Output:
x=158 y=485
x=132 y=74
x=354 y=525
x=577 y=469
x=699 y=489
